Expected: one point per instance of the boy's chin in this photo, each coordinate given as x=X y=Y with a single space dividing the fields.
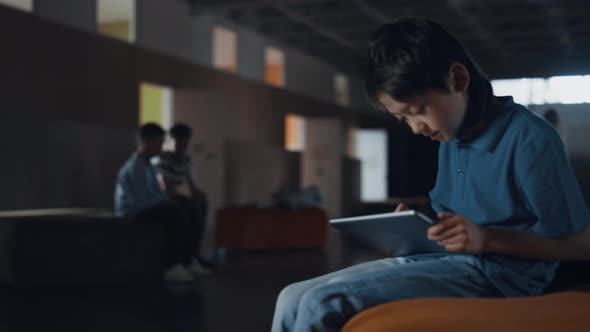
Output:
x=443 y=138
x=439 y=136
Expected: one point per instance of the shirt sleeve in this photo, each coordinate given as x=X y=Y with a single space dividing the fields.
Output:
x=171 y=170
x=550 y=189
x=131 y=195
x=123 y=197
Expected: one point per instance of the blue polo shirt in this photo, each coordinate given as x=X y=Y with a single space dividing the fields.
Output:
x=515 y=175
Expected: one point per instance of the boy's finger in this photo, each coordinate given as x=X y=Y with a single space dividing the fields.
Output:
x=444 y=215
x=448 y=233
x=457 y=239
x=401 y=207
x=443 y=225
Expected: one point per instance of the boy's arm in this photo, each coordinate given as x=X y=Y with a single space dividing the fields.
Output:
x=571 y=247
x=130 y=195
x=459 y=234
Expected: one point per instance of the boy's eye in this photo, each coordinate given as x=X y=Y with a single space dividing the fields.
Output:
x=421 y=110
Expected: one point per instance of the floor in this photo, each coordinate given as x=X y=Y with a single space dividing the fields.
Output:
x=240 y=296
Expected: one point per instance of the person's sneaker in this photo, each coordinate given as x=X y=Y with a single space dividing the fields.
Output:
x=198 y=269
x=178 y=273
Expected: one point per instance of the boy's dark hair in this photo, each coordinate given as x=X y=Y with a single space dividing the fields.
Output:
x=181 y=131
x=151 y=131
x=413 y=55
x=551 y=116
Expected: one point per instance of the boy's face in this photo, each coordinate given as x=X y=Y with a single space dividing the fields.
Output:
x=181 y=145
x=434 y=114
x=152 y=146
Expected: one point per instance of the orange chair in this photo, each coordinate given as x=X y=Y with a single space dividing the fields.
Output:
x=564 y=311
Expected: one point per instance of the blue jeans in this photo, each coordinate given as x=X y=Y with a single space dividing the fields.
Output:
x=183 y=226
x=327 y=302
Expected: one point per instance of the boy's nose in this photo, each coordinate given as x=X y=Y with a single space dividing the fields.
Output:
x=418 y=128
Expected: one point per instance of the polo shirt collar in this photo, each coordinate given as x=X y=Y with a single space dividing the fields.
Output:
x=490 y=135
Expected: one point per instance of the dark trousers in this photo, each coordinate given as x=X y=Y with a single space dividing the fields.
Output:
x=200 y=200
x=183 y=224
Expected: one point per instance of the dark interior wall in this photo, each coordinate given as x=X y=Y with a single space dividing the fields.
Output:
x=322 y=161
x=70 y=109
x=171 y=28
x=80 y=14
x=254 y=172
x=68 y=119
x=351 y=187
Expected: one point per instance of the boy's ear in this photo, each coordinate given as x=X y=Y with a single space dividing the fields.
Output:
x=458 y=78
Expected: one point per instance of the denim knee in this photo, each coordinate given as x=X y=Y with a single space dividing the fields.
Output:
x=324 y=296
x=292 y=293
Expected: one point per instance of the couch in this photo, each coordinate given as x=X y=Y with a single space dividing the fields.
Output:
x=252 y=228
x=77 y=246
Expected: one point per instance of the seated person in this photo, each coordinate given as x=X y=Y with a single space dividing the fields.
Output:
x=175 y=168
x=509 y=204
x=139 y=196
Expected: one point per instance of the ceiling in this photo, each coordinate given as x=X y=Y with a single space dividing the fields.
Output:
x=508 y=38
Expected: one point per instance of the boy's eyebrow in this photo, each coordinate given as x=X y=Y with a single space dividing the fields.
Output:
x=404 y=111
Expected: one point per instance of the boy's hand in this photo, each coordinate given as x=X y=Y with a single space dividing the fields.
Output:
x=161 y=182
x=183 y=190
x=458 y=234
x=401 y=207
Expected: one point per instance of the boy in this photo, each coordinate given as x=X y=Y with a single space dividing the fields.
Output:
x=505 y=193
x=175 y=168
x=139 y=197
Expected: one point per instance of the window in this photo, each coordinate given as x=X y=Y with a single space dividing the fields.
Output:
x=538 y=88
x=274 y=66
x=351 y=142
x=517 y=88
x=371 y=150
x=225 y=49
x=25 y=5
x=538 y=91
x=568 y=90
x=116 y=18
x=294 y=133
x=156 y=103
x=341 y=90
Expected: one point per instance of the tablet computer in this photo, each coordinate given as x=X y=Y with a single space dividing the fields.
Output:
x=394 y=234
